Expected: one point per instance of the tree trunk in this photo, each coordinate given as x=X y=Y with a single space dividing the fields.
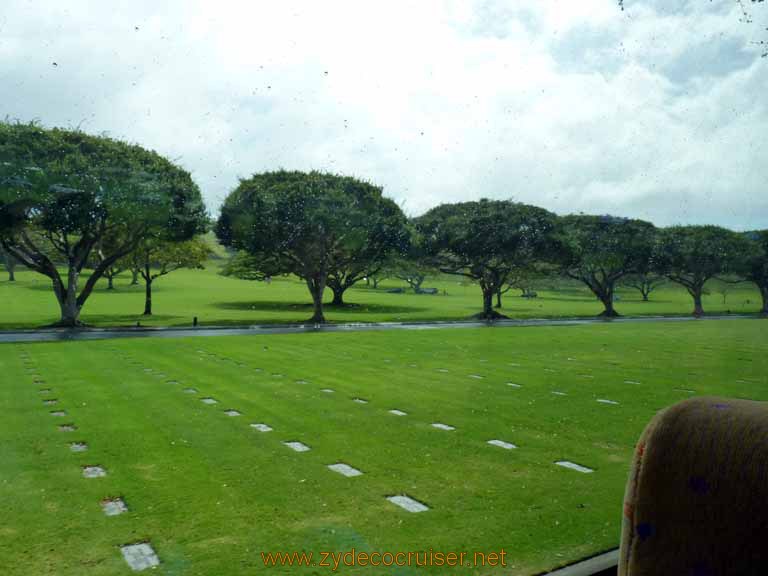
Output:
x=488 y=303
x=645 y=291
x=338 y=295
x=606 y=297
x=148 y=298
x=698 y=309
x=498 y=298
x=10 y=265
x=134 y=276
x=67 y=297
x=764 y=294
x=316 y=285
x=110 y=283
x=375 y=283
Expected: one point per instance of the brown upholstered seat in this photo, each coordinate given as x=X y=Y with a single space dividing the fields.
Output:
x=697 y=498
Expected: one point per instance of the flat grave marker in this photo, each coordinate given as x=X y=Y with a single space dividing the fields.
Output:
x=345 y=470
x=114 y=506
x=408 y=503
x=94 y=472
x=502 y=444
x=606 y=401
x=297 y=446
x=232 y=413
x=573 y=466
x=397 y=412
x=261 y=427
x=78 y=447
x=209 y=401
x=441 y=426
x=140 y=556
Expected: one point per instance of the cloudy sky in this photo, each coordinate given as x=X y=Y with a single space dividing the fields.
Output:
x=658 y=112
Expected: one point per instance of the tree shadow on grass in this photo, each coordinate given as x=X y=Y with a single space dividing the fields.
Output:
x=306 y=308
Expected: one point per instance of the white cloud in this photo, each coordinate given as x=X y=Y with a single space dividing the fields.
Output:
x=575 y=106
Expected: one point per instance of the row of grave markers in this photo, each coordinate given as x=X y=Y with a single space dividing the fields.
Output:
x=301 y=447
x=139 y=555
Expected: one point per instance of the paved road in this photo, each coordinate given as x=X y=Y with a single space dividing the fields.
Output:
x=64 y=334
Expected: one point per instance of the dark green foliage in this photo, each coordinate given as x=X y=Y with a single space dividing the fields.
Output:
x=486 y=241
x=314 y=225
x=755 y=263
x=64 y=191
x=601 y=250
x=691 y=255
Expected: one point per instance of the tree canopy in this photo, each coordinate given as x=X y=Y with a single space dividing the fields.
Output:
x=486 y=241
x=311 y=225
x=692 y=255
x=755 y=263
x=155 y=258
x=67 y=190
x=601 y=250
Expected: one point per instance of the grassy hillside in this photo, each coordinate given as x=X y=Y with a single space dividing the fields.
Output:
x=211 y=493
x=219 y=300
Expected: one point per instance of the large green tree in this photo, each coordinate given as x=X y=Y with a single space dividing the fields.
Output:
x=311 y=225
x=486 y=241
x=692 y=255
x=155 y=257
x=71 y=189
x=755 y=264
x=601 y=250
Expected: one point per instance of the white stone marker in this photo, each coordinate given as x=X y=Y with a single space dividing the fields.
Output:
x=345 y=470
x=443 y=370
x=261 y=427
x=327 y=390
x=604 y=401
x=397 y=412
x=476 y=376
x=140 y=556
x=114 y=507
x=58 y=413
x=78 y=447
x=408 y=503
x=631 y=382
x=502 y=444
x=360 y=400
x=574 y=466
x=557 y=393
x=190 y=390
x=297 y=446
x=441 y=426
x=513 y=385
x=67 y=428
x=301 y=382
x=50 y=402
x=232 y=413
x=209 y=401
x=94 y=472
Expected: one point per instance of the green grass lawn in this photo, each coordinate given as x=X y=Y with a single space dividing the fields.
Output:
x=210 y=493
x=217 y=300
